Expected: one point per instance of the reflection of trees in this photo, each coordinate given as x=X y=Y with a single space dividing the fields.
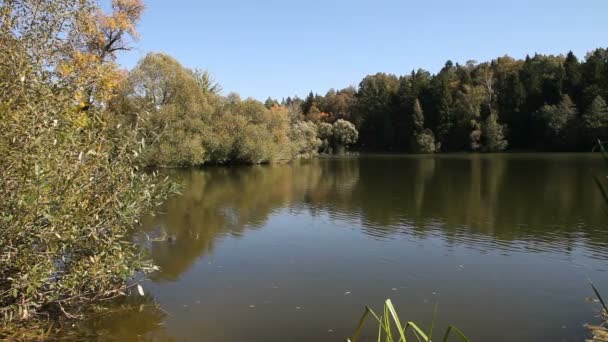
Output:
x=507 y=197
x=513 y=197
x=220 y=201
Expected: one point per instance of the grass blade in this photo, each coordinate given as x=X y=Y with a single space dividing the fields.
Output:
x=458 y=333
x=597 y=293
x=433 y=321
x=387 y=323
x=390 y=313
x=601 y=187
x=418 y=332
x=360 y=326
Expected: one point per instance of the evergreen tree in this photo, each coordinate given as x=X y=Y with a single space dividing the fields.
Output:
x=270 y=102
x=308 y=103
x=573 y=75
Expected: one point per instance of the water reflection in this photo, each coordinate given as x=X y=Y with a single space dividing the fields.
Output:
x=275 y=248
x=511 y=202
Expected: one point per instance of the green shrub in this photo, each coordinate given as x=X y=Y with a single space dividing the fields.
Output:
x=303 y=136
x=344 y=134
x=70 y=188
x=425 y=142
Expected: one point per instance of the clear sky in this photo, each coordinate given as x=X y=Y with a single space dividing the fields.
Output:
x=281 y=48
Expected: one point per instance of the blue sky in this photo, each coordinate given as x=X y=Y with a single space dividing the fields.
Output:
x=280 y=48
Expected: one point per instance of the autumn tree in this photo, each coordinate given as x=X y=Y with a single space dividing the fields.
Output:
x=95 y=40
x=70 y=189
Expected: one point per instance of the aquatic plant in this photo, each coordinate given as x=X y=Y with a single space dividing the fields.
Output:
x=600 y=333
x=391 y=328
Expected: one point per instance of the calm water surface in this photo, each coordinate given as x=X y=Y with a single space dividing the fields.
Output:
x=293 y=252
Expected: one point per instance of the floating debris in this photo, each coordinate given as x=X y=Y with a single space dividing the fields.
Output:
x=140 y=290
x=251 y=306
x=346 y=293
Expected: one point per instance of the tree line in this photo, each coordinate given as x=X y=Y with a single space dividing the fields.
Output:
x=543 y=103
x=186 y=121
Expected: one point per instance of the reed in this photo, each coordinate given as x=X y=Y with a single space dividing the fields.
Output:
x=599 y=333
x=392 y=329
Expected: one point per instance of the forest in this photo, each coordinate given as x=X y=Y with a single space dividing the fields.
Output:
x=540 y=103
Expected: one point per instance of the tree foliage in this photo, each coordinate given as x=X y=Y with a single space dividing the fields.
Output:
x=493 y=134
x=70 y=189
x=541 y=102
x=189 y=123
x=344 y=133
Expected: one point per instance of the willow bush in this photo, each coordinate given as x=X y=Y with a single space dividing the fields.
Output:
x=190 y=124
x=70 y=185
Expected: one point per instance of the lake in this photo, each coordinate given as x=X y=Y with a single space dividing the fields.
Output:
x=503 y=243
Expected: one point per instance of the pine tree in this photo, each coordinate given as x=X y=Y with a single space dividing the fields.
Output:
x=573 y=75
x=308 y=103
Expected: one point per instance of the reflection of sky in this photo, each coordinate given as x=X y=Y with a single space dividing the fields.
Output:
x=276 y=248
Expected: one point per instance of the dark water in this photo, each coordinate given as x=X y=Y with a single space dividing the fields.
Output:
x=293 y=252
